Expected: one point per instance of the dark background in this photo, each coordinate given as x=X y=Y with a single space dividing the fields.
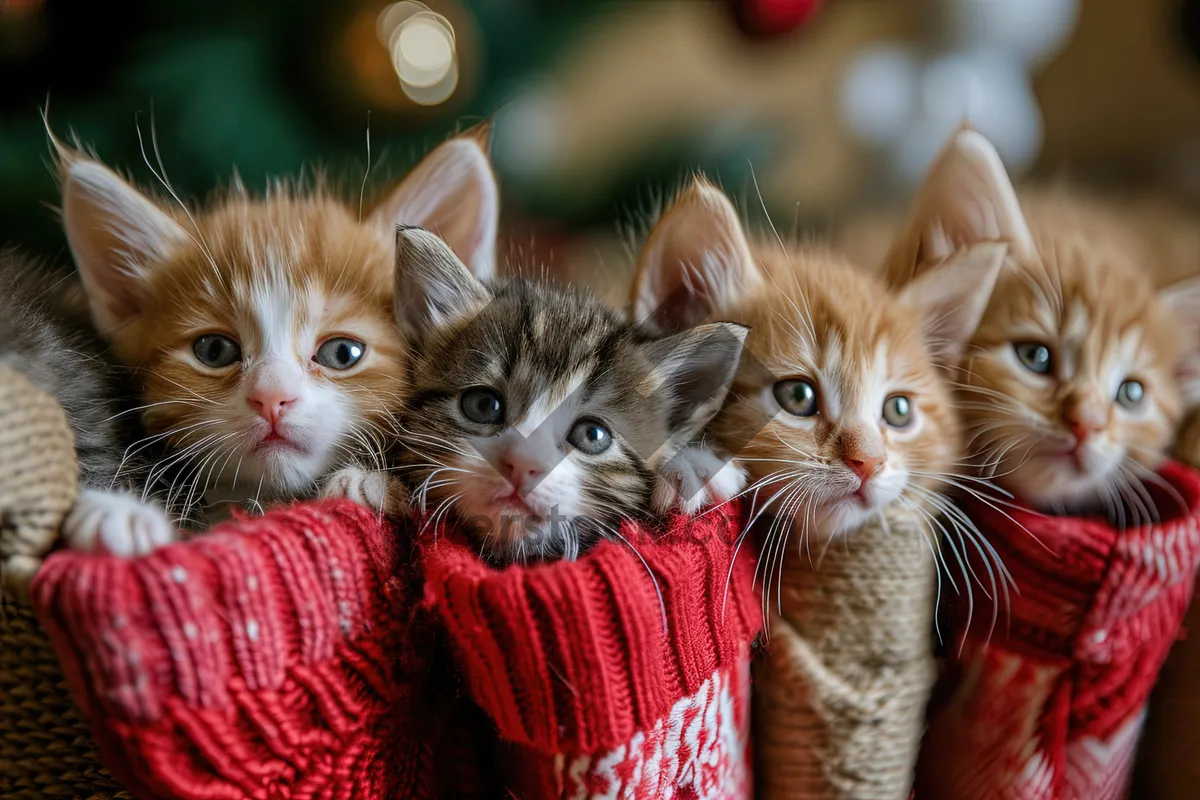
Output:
x=275 y=88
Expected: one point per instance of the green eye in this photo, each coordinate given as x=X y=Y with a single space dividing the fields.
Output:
x=797 y=397
x=1130 y=393
x=897 y=411
x=482 y=405
x=216 y=350
x=590 y=437
x=1035 y=356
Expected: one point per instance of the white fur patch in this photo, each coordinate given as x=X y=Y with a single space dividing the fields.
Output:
x=375 y=489
x=118 y=524
x=280 y=336
x=548 y=403
x=693 y=479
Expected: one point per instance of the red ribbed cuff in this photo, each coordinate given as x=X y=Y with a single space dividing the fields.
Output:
x=573 y=657
x=258 y=660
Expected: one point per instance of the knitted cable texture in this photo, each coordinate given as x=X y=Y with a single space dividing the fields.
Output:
x=312 y=653
x=276 y=657
x=840 y=698
x=1048 y=703
x=572 y=662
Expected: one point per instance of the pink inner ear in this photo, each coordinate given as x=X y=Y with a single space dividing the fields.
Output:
x=117 y=236
x=683 y=273
x=676 y=304
x=110 y=286
x=121 y=310
x=453 y=194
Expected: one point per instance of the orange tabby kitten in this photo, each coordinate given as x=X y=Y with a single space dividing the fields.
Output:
x=260 y=330
x=1069 y=388
x=840 y=408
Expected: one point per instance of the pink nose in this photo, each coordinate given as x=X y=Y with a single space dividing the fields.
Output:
x=863 y=466
x=1081 y=432
x=270 y=403
x=1082 y=424
x=520 y=474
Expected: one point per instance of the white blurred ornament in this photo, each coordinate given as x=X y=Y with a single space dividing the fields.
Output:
x=1026 y=30
x=878 y=92
x=905 y=106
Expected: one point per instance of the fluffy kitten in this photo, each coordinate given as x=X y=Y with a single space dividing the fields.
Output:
x=839 y=407
x=1069 y=387
x=48 y=340
x=539 y=416
x=260 y=330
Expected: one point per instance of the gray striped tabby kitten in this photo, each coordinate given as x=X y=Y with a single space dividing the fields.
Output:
x=49 y=340
x=539 y=417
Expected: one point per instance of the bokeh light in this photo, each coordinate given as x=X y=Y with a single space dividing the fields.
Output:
x=422 y=48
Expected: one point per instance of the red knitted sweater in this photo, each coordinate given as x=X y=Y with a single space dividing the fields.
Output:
x=275 y=657
x=293 y=656
x=1049 y=704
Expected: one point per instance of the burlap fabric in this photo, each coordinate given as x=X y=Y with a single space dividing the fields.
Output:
x=45 y=746
x=38 y=477
x=1168 y=759
x=841 y=694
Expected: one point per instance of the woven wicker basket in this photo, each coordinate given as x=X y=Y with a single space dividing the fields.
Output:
x=45 y=746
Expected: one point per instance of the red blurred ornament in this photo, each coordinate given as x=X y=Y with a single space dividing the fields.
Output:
x=774 y=17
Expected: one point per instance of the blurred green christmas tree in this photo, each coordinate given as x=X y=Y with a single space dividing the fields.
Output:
x=276 y=88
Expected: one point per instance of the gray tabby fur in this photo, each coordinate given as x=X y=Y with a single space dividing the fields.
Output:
x=47 y=338
x=556 y=356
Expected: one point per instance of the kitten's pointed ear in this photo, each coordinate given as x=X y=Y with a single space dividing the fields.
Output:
x=966 y=199
x=952 y=296
x=116 y=234
x=454 y=194
x=695 y=265
x=433 y=287
x=1182 y=299
x=696 y=367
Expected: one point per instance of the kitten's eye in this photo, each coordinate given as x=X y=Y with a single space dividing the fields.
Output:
x=216 y=350
x=1130 y=393
x=897 y=411
x=1034 y=355
x=797 y=397
x=340 y=353
x=590 y=436
x=483 y=406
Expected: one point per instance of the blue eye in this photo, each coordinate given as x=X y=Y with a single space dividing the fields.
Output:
x=340 y=353
x=216 y=350
x=482 y=405
x=1035 y=356
x=590 y=437
x=1130 y=393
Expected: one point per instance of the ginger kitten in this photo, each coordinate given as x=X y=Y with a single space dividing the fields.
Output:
x=840 y=406
x=1069 y=389
x=540 y=418
x=259 y=329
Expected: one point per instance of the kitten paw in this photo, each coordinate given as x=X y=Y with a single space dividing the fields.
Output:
x=116 y=523
x=694 y=478
x=375 y=489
